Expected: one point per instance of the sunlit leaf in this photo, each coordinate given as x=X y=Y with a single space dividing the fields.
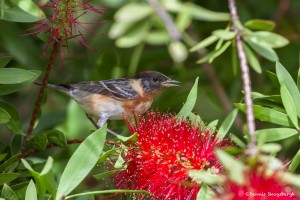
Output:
x=253 y=61
x=267 y=114
x=227 y=123
x=295 y=162
x=260 y=24
x=30 y=7
x=274 y=134
x=289 y=105
x=133 y=12
x=82 y=162
x=270 y=39
x=15 y=75
x=270 y=148
x=204 y=43
x=265 y=51
x=8 y=193
x=224 y=34
x=190 y=102
x=31 y=193
x=219 y=51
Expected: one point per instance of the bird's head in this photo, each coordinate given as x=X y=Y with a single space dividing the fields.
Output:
x=153 y=81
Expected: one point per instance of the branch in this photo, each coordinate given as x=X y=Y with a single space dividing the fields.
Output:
x=167 y=19
x=245 y=78
x=41 y=93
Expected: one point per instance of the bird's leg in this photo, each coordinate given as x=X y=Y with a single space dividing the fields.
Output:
x=93 y=122
x=97 y=126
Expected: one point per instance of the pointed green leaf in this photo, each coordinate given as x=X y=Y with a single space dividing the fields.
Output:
x=9 y=161
x=133 y=138
x=234 y=58
x=15 y=123
x=233 y=166
x=295 y=162
x=237 y=141
x=56 y=137
x=133 y=12
x=16 y=14
x=4 y=61
x=105 y=174
x=8 y=193
x=205 y=177
x=205 y=193
x=219 y=51
x=298 y=77
x=274 y=134
x=259 y=24
x=270 y=39
x=4 y=116
x=119 y=164
x=107 y=154
x=118 y=29
x=267 y=114
x=270 y=148
x=31 y=193
x=15 y=75
x=265 y=51
x=285 y=79
x=273 y=77
x=253 y=61
x=82 y=162
x=204 y=43
x=224 y=34
x=8 y=177
x=30 y=7
x=190 y=102
x=289 y=105
x=227 y=123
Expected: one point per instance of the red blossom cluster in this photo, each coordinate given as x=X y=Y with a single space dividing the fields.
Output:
x=260 y=185
x=167 y=148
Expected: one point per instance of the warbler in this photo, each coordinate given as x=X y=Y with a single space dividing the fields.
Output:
x=117 y=98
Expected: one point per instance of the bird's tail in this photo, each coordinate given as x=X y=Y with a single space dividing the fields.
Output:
x=62 y=87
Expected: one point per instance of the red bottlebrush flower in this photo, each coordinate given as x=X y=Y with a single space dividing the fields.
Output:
x=167 y=148
x=259 y=185
x=64 y=23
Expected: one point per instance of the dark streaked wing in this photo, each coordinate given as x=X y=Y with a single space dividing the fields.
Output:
x=116 y=88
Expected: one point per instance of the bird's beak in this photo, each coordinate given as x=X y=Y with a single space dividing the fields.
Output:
x=170 y=83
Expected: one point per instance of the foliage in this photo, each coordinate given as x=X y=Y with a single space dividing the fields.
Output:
x=196 y=42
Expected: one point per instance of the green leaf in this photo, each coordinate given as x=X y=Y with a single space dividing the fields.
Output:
x=82 y=162
x=11 y=88
x=295 y=162
x=265 y=51
x=106 y=154
x=274 y=134
x=4 y=60
x=224 y=34
x=234 y=58
x=219 y=51
x=105 y=174
x=289 y=105
x=134 y=36
x=204 y=43
x=15 y=14
x=285 y=79
x=56 y=137
x=106 y=192
x=201 y=13
x=213 y=125
x=9 y=161
x=253 y=61
x=178 y=51
x=38 y=141
x=4 y=116
x=226 y=124
x=183 y=20
x=238 y=141
x=233 y=166
x=205 y=177
x=119 y=163
x=157 y=38
x=273 y=77
x=31 y=193
x=15 y=123
x=8 y=177
x=8 y=193
x=292 y=179
x=15 y=75
x=298 y=77
x=270 y=39
x=205 y=193
x=190 y=102
x=30 y=7
x=2 y=156
x=133 y=12
x=270 y=148
x=259 y=24
x=132 y=138
x=118 y=29
x=267 y=114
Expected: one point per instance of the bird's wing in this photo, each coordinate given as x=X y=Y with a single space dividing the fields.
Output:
x=117 y=88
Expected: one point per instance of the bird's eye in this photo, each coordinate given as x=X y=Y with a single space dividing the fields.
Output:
x=155 y=79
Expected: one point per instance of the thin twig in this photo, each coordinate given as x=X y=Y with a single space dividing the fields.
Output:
x=245 y=78
x=167 y=19
x=282 y=9
x=41 y=93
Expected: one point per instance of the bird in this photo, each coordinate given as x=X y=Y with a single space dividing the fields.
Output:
x=117 y=98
